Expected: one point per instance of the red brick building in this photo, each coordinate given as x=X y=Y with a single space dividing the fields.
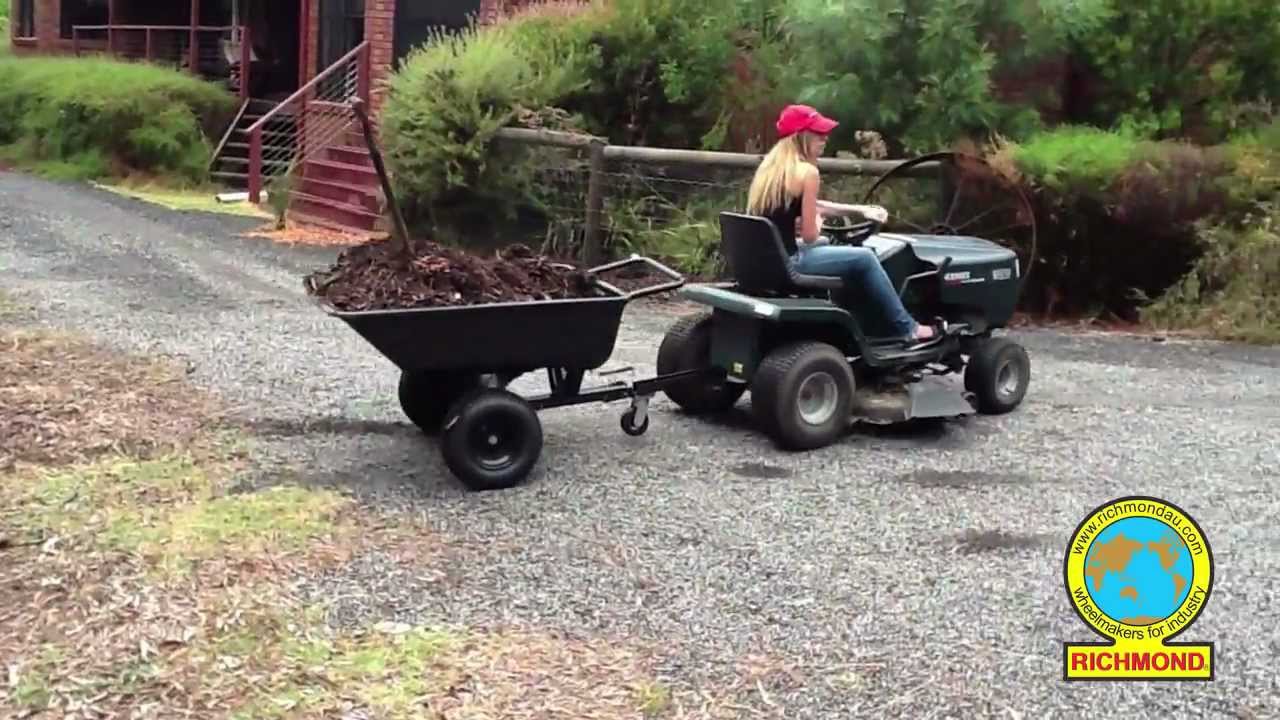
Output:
x=292 y=40
x=306 y=60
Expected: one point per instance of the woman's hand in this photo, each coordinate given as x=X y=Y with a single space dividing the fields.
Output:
x=873 y=212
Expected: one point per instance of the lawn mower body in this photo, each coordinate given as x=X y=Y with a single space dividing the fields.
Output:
x=764 y=328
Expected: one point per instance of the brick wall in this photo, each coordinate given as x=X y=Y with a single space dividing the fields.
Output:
x=47 y=27
x=379 y=30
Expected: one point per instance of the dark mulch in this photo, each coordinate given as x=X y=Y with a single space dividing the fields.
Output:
x=378 y=275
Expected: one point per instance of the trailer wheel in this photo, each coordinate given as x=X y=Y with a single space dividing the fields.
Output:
x=425 y=397
x=491 y=440
x=803 y=395
x=630 y=426
x=687 y=346
x=998 y=373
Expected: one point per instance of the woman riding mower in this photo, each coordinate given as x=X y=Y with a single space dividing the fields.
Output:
x=785 y=190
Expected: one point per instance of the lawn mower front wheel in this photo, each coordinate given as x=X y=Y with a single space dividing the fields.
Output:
x=998 y=374
x=802 y=395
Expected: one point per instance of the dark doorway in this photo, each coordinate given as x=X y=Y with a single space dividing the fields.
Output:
x=274 y=28
x=416 y=20
x=341 y=30
x=81 y=12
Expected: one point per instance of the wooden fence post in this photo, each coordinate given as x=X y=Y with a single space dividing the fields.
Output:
x=593 y=241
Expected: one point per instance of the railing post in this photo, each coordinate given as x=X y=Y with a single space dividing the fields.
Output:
x=194 y=51
x=255 y=166
x=148 y=32
x=246 y=60
x=363 y=73
x=75 y=41
x=304 y=43
x=592 y=245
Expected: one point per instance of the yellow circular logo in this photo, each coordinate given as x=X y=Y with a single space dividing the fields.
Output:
x=1138 y=571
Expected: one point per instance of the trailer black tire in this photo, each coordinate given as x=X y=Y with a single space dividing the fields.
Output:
x=491 y=440
x=425 y=397
x=998 y=374
x=783 y=383
x=687 y=346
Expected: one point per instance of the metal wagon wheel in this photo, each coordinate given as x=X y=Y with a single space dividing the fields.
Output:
x=974 y=199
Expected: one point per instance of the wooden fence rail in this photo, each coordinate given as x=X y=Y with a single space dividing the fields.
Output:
x=600 y=152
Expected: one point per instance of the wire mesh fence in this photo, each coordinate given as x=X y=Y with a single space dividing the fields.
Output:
x=599 y=201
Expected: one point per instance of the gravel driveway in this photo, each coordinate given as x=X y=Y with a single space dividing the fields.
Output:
x=913 y=573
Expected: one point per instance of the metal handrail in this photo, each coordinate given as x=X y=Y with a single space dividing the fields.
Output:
x=311 y=84
x=360 y=54
x=226 y=136
x=184 y=28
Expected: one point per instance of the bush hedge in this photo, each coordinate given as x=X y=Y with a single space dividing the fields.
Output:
x=89 y=118
x=1142 y=167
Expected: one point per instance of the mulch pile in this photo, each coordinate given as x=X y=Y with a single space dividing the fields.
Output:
x=376 y=276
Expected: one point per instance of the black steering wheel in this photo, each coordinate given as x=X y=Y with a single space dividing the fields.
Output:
x=844 y=230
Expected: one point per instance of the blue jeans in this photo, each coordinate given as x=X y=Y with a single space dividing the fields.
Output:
x=860 y=268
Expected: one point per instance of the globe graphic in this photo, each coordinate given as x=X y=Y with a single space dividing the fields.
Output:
x=1138 y=571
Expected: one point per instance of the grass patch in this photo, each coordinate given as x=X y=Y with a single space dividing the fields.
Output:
x=197 y=199
x=135 y=580
x=9 y=308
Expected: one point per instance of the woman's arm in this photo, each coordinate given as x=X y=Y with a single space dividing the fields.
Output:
x=872 y=212
x=810 y=223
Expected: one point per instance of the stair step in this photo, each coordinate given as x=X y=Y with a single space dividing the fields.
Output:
x=350 y=216
x=360 y=195
x=239 y=181
x=340 y=172
x=350 y=155
x=266 y=149
x=304 y=197
x=305 y=219
x=245 y=162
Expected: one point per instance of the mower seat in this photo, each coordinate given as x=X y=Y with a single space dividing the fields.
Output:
x=758 y=260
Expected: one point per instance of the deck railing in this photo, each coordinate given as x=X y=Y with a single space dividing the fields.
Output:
x=321 y=113
x=199 y=50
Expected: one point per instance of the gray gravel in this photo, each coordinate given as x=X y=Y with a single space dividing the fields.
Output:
x=902 y=573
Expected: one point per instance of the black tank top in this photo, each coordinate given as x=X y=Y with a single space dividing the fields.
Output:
x=784 y=218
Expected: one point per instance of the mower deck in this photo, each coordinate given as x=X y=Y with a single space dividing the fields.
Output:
x=929 y=397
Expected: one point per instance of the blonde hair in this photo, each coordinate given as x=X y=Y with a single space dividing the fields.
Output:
x=778 y=177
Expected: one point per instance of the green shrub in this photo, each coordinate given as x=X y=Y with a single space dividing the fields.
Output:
x=672 y=73
x=924 y=73
x=1076 y=159
x=1117 y=217
x=442 y=109
x=1233 y=290
x=1176 y=68
x=88 y=118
